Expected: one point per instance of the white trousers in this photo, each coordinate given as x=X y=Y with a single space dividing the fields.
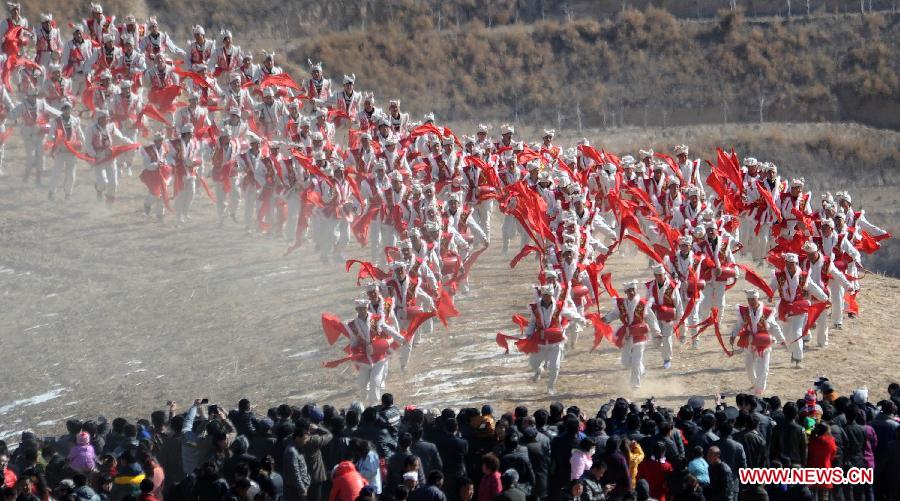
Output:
x=510 y=229
x=250 y=196
x=550 y=354
x=381 y=235
x=106 y=178
x=185 y=199
x=633 y=358
x=757 y=366
x=793 y=329
x=713 y=297
x=667 y=330
x=34 y=155
x=370 y=380
x=227 y=202
x=64 y=168
x=293 y=215
x=484 y=210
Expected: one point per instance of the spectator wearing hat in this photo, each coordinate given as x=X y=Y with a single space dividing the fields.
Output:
x=81 y=457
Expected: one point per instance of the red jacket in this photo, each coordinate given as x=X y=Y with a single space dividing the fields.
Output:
x=820 y=453
x=9 y=477
x=346 y=482
x=489 y=487
x=656 y=474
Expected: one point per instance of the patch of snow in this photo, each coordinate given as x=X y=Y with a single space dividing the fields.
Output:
x=35 y=400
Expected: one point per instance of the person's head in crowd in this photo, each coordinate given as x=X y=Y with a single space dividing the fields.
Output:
x=613 y=445
x=367 y=493
x=642 y=490
x=556 y=412
x=301 y=433
x=509 y=479
x=451 y=425
x=598 y=469
x=576 y=488
x=401 y=493
x=659 y=450
x=435 y=478
x=713 y=455
x=695 y=452
x=105 y=483
x=541 y=418
x=411 y=479
x=490 y=464
x=790 y=411
x=465 y=488
x=725 y=429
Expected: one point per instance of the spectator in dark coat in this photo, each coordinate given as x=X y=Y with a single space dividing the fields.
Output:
x=516 y=457
x=721 y=480
x=243 y=419
x=704 y=437
x=616 y=468
x=369 y=429
x=731 y=451
x=789 y=441
x=538 y=446
x=426 y=451
x=432 y=490
x=511 y=490
x=295 y=472
x=397 y=464
x=339 y=448
x=453 y=456
x=263 y=440
x=560 y=453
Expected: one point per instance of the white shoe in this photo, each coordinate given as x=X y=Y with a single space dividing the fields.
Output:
x=667 y=364
x=838 y=327
x=551 y=391
x=695 y=343
x=537 y=374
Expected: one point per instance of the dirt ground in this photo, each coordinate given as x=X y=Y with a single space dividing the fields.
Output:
x=107 y=312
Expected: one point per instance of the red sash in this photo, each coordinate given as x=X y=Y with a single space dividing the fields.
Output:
x=760 y=340
x=637 y=328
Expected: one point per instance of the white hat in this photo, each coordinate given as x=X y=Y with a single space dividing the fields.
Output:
x=126 y=84
x=699 y=230
x=106 y=74
x=369 y=97
x=769 y=166
x=396 y=176
x=550 y=273
x=429 y=117
x=321 y=112
x=750 y=162
x=752 y=293
x=549 y=132
x=533 y=165
x=646 y=153
x=674 y=180
x=234 y=110
x=305 y=122
x=77 y=28
x=428 y=187
x=828 y=222
x=391 y=141
x=381 y=165
x=640 y=168
x=507 y=129
x=274 y=144
x=13 y=5
x=398 y=265
x=544 y=290
x=193 y=96
x=569 y=248
x=371 y=286
x=431 y=226
x=365 y=135
x=685 y=240
x=797 y=183
x=631 y=284
x=319 y=155
x=562 y=180
x=414 y=234
x=225 y=34
x=448 y=141
x=198 y=30
x=681 y=149
x=394 y=102
x=128 y=39
x=584 y=142
x=317 y=136
x=159 y=135
x=187 y=128
x=405 y=244
x=844 y=195
x=54 y=67
x=790 y=257
x=315 y=66
x=809 y=246
x=361 y=303
x=151 y=21
x=692 y=191
x=102 y=112
x=268 y=92
x=628 y=160
x=544 y=176
x=658 y=269
x=349 y=79
x=483 y=128
x=46 y=18
x=96 y=8
x=610 y=168
x=252 y=138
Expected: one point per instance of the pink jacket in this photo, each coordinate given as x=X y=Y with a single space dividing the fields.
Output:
x=82 y=458
x=581 y=462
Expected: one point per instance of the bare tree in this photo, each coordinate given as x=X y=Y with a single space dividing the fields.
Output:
x=788 y=8
x=733 y=4
x=578 y=114
x=808 y=8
